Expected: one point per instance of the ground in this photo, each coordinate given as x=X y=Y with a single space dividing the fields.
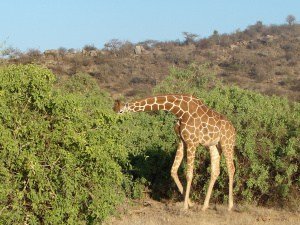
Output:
x=150 y=212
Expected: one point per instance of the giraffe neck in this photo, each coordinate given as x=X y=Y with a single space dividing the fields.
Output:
x=176 y=104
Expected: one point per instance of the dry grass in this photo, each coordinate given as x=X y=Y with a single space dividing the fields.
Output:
x=156 y=213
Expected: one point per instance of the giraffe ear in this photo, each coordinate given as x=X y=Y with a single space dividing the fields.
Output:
x=117 y=105
x=119 y=102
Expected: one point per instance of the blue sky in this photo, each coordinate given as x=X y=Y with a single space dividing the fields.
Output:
x=47 y=24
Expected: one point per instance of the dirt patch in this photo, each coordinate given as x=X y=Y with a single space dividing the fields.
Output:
x=151 y=212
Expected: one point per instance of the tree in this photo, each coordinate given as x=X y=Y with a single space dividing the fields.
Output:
x=89 y=47
x=11 y=52
x=215 y=33
x=34 y=53
x=2 y=47
x=290 y=19
x=189 y=37
x=259 y=26
x=62 y=51
x=113 y=45
x=148 y=43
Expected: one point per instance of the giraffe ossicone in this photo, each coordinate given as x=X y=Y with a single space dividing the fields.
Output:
x=196 y=124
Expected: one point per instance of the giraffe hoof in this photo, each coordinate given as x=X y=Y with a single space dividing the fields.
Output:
x=185 y=207
x=191 y=204
x=204 y=208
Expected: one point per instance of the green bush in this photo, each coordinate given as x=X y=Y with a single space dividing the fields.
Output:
x=67 y=158
x=61 y=157
x=150 y=141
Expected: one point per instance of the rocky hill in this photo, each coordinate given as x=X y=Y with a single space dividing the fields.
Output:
x=261 y=58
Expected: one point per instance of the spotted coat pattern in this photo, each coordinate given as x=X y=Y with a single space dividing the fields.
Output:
x=196 y=124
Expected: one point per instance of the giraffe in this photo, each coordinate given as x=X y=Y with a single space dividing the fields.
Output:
x=196 y=124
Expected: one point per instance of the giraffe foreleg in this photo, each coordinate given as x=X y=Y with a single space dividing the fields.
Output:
x=178 y=160
x=215 y=171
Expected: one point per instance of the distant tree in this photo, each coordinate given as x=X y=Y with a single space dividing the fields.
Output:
x=216 y=37
x=34 y=53
x=190 y=38
x=126 y=48
x=238 y=31
x=71 y=50
x=259 y=23
x=148 y=43
x=290 y=19
x=113 y=45
x=259 y=26
x=62 y=51
x=2 y=47
x=215 y=33
x=11 y=53
x=89 y=47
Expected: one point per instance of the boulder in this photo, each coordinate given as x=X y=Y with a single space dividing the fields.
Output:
x=138 y=50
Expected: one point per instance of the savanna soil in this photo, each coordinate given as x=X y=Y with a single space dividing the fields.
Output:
x=150 y=212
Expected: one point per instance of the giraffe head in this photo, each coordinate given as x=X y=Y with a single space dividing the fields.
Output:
x=120 y=107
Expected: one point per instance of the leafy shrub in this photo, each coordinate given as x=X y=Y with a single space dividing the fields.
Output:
x=151 y=142
x=66 y=158
x=61 y=157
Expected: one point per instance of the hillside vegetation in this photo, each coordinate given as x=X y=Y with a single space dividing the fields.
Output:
x=67 y=158
x=261 y=58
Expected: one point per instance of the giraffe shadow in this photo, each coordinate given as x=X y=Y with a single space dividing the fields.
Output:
x=155 y=166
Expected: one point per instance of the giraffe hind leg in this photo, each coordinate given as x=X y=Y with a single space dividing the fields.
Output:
x=228 y=152
x=215 y=171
